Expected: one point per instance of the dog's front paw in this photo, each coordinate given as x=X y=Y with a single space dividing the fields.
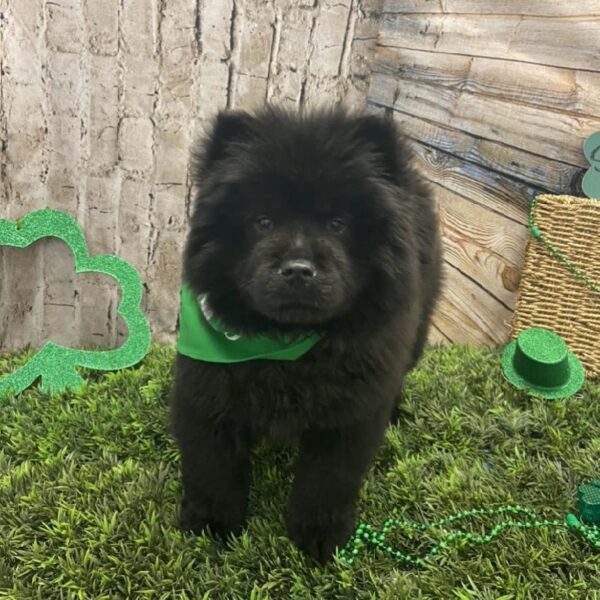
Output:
x=196 y=518
x=319 y=538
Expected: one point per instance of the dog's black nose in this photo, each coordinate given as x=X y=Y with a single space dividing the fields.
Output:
x=298 y=269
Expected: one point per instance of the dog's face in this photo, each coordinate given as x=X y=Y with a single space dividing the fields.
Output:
x=298 y=251
x=298 y=267
x=291 y=224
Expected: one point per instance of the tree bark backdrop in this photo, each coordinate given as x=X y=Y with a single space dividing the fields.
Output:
x=100 y=101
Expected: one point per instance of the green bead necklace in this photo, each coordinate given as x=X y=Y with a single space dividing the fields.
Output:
x=537 y=234
x=520 y=517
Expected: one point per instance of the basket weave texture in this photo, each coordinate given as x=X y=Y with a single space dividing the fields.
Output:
x=550 y=295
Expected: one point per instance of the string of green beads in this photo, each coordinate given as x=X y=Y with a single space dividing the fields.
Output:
x=366 y=536
x=537 y=234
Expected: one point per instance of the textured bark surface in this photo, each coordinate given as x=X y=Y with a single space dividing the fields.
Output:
x=100 y=101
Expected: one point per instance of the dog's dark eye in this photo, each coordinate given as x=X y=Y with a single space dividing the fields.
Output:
x=336 y=225
x=263 y=223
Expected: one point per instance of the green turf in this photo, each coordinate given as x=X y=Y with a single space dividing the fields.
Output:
x=89 y=488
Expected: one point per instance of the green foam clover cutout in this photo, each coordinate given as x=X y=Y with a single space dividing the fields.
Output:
x=56 y=365
x=591 y=180
x=588 y=501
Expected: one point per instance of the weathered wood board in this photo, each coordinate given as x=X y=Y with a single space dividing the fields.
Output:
x=497 y=98
x=566 y=41
x=536 y=8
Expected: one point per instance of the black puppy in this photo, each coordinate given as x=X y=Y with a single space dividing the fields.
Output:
x=304 y=225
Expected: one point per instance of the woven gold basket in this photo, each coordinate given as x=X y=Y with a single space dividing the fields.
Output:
x=550 y=295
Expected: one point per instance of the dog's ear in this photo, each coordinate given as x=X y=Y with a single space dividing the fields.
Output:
x=385 y=141
x=228 y=127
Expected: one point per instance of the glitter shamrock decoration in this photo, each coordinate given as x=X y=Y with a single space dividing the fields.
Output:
x=57 y=365
x=591 y=180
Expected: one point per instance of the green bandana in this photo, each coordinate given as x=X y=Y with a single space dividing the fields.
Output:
x=203 y=338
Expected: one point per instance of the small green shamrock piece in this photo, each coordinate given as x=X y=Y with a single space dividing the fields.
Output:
x=588 y=501
x=57 y=365
x=591 y=180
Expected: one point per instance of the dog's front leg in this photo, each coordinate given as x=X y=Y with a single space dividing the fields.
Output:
x=331 y=467
x=216 y=475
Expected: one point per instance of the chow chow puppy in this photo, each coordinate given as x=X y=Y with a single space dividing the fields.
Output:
x=311 y=233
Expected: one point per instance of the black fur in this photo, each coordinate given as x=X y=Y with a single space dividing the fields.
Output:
x=340 y=195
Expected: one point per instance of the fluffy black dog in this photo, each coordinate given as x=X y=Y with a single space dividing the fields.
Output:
x=311 y=222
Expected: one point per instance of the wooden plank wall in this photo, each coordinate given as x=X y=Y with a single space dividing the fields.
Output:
x=498 y=96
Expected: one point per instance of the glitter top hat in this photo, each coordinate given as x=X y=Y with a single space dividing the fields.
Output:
x=588 y=500
x=540 y=362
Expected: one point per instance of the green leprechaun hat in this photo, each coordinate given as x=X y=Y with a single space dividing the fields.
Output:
x=588 y=501
x=540 y=362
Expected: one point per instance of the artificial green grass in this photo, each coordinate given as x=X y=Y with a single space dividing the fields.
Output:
x=89 y=490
